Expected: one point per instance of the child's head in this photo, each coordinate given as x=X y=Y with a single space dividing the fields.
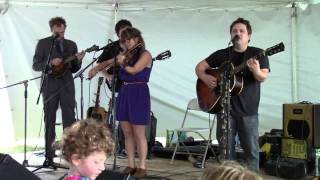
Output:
x=86 y=145
x=229 y=170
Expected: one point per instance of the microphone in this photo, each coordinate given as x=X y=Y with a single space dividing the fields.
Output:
x=109 y=45
x=235 y=38
x=55 y=35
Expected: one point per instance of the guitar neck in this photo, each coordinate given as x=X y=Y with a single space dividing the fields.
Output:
x=69 y=59
x=240 y=67
x=72 y=57
x=97 y=98
x=98 y=92
x=109 y=66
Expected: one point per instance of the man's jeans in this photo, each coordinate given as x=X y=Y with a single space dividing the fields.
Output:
x=247 y=130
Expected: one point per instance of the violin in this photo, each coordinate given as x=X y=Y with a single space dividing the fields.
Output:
x=132 y=55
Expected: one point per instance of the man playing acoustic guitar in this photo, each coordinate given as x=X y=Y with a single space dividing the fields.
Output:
x=61 y=49
x=244 y=106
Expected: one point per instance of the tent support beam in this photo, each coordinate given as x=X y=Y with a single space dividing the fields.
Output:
x=294 y=52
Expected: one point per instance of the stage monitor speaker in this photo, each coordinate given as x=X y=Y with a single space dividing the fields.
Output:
x=302 y=121
x=12 y=170
x=287 y=168
x=108 y=174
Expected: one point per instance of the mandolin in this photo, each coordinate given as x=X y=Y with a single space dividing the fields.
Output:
x=59 y=70
x=97 y=112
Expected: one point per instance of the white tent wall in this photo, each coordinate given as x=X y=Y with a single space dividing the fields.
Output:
x=191 y=35
x=307 y=54
x=21 y=28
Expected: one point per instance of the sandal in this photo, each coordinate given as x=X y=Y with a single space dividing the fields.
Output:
x=129 y=170
x=140 y=173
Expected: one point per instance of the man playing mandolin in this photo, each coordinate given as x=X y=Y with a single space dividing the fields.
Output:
x=244 y=106
x=59 y=78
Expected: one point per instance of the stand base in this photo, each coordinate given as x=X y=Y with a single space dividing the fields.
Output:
x=47 y=164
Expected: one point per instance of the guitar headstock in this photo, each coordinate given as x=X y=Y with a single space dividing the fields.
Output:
x=274 y=49
x=164 y=55
x=92 y=48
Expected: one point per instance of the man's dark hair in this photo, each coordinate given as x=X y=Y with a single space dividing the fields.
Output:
x=242 y=21
x=57 y=21
x=121 y=24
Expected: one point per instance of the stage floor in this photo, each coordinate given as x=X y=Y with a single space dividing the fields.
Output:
x=158 y=168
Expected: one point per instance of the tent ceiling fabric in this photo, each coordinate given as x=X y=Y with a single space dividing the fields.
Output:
x=138 y=5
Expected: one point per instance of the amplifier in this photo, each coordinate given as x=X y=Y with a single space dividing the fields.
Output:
x=286 y=168
x=294 y=148
x=302 y=121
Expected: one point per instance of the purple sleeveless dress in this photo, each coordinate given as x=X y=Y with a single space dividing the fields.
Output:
x=133 y=101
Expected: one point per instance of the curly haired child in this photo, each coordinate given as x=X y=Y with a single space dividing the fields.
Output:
x=86 y=146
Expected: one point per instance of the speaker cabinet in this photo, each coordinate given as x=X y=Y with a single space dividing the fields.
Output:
x=294 y=148
x=286 y=168
x=12 y=170
x=302 y=121
x=107 y=174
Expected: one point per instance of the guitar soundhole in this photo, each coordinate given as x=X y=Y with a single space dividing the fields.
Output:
x=98 y=117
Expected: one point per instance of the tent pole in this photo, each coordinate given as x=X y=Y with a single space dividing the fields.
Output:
x=294 y=52
x=116 y=7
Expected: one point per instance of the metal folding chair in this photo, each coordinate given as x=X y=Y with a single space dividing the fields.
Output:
x=194 y=106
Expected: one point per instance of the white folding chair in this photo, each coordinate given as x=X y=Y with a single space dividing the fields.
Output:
x=194 y=106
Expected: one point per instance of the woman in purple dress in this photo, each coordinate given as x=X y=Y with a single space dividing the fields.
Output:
x=133 y=102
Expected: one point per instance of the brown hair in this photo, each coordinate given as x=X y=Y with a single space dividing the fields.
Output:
x=242 y=21
x=58 y=21
x=132 y=32
x=229 y=170
x=85 y=137
x=121 y=24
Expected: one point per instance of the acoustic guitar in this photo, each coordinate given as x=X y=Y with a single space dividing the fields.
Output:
x=97 y=112
x=162 y=56
x=59 y=70
x=209 y=98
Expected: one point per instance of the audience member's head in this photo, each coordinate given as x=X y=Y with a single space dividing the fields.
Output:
x=229 y=170
x=86 y=146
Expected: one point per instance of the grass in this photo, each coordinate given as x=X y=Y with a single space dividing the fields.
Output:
x=19 y=149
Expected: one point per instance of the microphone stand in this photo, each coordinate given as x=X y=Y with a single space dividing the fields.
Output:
x=80 y=74
x=44 y=76
x=25 y=83
x=44 y=73
x=226 y=107
x=112 y=108
x=226 y=97
x=112 y=117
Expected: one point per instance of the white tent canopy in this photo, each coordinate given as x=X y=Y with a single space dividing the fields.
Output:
x=190 y=29
x=141 y=5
